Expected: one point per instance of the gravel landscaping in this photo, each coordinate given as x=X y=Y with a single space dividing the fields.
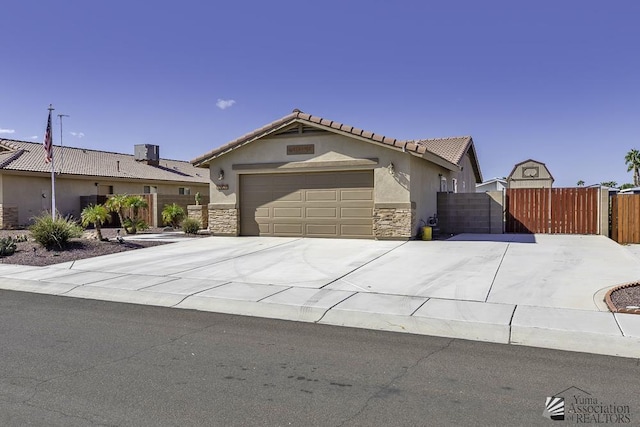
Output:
x=31 y=253
x=627 y=298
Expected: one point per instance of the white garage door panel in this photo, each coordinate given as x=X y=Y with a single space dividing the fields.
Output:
x=335 y=204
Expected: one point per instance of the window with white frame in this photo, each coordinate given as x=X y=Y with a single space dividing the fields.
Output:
x=184 y=190
x=443 y=184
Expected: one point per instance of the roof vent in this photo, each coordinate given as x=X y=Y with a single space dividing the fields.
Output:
x=147 y=153
x=295 y=110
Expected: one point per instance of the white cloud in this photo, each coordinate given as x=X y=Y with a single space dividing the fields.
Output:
x=35 y=137
x=225 y=103
x=77 y=134
x=7 y=130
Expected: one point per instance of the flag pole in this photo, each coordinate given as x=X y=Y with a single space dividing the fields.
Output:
x=53 y=173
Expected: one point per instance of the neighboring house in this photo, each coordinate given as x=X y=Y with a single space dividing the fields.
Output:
x=303 y=175
x=495 y=184
x=25 y=179
x=632 y=190
x=530 y=174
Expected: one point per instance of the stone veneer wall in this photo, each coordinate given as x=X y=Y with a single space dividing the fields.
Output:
x=393 y=221
x=8 y=217
x=224 y=220
x=199 y=213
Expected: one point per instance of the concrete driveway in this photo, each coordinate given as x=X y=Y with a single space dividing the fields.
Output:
x=539 y=290
x=540 y=270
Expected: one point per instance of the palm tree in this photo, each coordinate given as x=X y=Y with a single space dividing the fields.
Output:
x=172 y=215
x=136 y=203
x=96 y=215
x=580 y=183
x=117 y=203
x=632 y=160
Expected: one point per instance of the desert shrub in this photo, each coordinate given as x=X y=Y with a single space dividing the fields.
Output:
x=172 y=215
x=7 y=246
x=133 y=225
x=190 y=226
x=54 y=233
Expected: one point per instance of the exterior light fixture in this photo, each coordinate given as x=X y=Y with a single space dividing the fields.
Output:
x=221 y=175
x=391 y=168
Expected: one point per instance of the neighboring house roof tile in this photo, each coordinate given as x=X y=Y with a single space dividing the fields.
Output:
x=451 y=150
x=29 y=157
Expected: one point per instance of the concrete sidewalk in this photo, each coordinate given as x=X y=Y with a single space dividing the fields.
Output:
x=536 y=290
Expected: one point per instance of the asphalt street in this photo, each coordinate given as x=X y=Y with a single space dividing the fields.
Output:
x=75 y=362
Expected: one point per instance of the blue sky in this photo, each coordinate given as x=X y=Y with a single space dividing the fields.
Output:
x=557 y=81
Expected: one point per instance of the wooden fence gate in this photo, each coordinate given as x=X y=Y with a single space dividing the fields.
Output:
x=552 y=210
x=625 y=218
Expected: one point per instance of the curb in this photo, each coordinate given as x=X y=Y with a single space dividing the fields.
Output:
x=611 y=305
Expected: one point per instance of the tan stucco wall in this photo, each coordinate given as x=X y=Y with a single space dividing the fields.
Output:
x=327 y=148
x=26 y=192
x=425 y=184
x=466 y=178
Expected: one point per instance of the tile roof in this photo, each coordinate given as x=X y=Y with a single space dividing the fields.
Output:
x=450 y=150
x=29 y=157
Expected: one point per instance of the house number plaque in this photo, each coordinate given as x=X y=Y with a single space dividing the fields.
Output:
x=300 y=149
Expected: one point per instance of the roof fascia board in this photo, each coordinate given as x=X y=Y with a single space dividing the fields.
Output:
x=206 y=159
x=433 y=158
x=473 y=157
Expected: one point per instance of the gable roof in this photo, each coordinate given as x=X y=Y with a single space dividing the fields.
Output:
x=510 y=176
x=448 y=152
x=25 y=156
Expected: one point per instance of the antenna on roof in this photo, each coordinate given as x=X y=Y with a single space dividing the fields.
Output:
x=60 y=116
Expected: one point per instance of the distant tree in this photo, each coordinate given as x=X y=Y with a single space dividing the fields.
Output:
x=610 y=184
x=627 y=185
x=632 y=160
x=580 y=183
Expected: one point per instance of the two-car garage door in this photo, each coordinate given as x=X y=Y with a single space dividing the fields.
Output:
x=327 y=204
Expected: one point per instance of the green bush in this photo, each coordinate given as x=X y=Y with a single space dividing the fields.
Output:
x=172 y=215
x=190 y=226
x=54 y=233
x=7 y=246
x=133 y=225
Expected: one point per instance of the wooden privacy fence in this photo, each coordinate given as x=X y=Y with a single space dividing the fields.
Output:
x=552 y=210
x=625 y=218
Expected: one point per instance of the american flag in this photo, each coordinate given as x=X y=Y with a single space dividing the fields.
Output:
x=48 y=142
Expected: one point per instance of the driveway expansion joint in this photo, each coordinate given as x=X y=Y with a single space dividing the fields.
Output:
x=366 y=263
x=497 y=270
